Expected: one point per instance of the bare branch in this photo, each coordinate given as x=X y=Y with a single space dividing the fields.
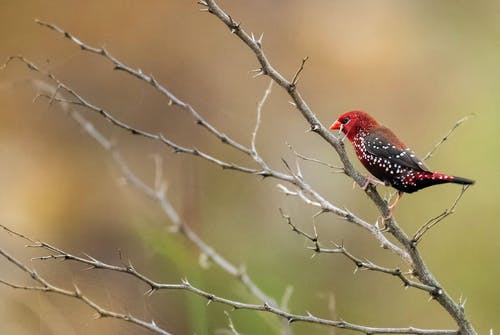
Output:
x=265 y=171
x=417 y=237
x=448 y=134
x=259 y=117
x=45 y=286
x=420 y=269
x=158 y=194
x=358 y=262
x=173 y=100
x=295 y=78
x=231 y=325
x=314 y=160
x=186 y=286
x=115 y=121
x=408 y=252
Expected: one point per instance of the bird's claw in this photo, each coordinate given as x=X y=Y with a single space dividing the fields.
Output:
x=370 y=180
x=366 y=184
x=385 y=228
x=393 y=205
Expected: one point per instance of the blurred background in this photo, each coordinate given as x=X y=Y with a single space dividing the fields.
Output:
x=418 y=67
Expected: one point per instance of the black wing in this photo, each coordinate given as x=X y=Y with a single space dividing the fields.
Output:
x=376 y=143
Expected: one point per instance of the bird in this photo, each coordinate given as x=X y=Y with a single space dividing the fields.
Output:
x=386 y=157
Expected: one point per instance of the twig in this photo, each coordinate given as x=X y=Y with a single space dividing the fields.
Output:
x=448 y=134
x=45 y=286
x=417 y=237
x=173 y=100
x=314 y=160
x=132 y=130
x=231 y=325
x=358 y=262
x=258 y=121
x=295 y=78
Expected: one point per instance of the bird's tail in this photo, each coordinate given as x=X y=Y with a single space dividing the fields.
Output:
x=462 y=181
x=420 y=180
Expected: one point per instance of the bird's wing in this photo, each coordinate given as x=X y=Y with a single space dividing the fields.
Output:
x=383 y=143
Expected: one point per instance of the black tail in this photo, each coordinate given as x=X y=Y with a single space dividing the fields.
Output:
x=462 y=181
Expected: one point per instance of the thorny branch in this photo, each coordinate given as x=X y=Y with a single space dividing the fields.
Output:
x=265 y=171
x=421 y=271
x=159 y=195
x=445 y=137
x=173 y=100
x=46 y=286
x=315 y=160
x=435 y=220
x=185 y=285
x=408 y=252
x=359 y=263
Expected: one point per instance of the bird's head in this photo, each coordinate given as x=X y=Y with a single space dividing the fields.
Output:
x=350 y=123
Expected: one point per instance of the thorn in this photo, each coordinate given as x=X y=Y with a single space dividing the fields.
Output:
x=462 y=301
x=258 y=74
x=151 y=291
x=321 y=211
x=315 y=232
x=77 y=290
x=259 y=41
x=299 y=171
x=90 y=257
x=292 y=103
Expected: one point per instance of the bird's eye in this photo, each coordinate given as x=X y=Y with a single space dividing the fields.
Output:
x=345 y=119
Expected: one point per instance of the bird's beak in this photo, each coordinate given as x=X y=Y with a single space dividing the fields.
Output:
x=336 y=125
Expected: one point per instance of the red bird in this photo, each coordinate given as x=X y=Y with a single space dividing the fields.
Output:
x=387 y=157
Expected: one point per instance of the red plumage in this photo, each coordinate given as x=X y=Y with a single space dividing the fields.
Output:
x=387 y=157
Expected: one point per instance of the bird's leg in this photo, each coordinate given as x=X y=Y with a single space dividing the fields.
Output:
x=391 y=208
x=398 y=196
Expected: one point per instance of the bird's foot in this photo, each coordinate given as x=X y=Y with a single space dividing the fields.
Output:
x=369 y=180
x=383 y=228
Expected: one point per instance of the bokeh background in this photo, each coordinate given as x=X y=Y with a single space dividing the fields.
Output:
x=417 y=66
